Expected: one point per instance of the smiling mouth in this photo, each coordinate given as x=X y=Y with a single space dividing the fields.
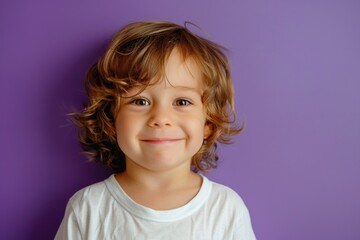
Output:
x=160 y=140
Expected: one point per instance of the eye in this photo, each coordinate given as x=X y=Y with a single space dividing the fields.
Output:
x=182 y=102
x=140 y=102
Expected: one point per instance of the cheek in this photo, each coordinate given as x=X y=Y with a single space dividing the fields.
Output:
x=119 y=133
x=196 y=129
x=123 y=130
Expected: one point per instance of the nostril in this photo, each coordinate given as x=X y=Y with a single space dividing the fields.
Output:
x=159 y=117
x=158 y=123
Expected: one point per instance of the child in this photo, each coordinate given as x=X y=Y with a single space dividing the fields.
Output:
x=160 y=97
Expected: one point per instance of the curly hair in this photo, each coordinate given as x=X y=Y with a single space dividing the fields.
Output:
x=136 y=55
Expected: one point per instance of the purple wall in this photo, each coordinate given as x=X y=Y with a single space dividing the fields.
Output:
x=296 y=66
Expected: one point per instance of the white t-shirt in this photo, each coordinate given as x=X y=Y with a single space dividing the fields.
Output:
x=105 y=211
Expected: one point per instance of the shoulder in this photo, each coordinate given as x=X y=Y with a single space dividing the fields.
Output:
x=230 y=210
x=225 y=195
x=84 y=210
x=90 y=195
x=224 y=201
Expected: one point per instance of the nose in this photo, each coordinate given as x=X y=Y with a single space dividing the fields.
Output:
x=160 y=116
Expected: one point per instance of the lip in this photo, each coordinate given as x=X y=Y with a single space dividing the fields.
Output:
x=161 y=140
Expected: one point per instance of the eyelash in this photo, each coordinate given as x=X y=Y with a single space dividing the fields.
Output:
x=142 y=100
x=187 y=102
x=145 y=102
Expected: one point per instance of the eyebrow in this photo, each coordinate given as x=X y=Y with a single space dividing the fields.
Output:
x=185 y=88
x=190 y=89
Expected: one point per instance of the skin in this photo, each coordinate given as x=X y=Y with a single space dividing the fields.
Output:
x=159 y=130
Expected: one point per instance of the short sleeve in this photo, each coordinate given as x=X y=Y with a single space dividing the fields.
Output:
x=244 y=229
x=69 y=227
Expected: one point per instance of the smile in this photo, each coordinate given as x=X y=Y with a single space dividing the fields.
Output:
x=160 y=140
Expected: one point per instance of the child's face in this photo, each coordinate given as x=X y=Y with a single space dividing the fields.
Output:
x=163 y=127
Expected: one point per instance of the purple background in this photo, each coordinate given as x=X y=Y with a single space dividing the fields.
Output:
x=296 y=68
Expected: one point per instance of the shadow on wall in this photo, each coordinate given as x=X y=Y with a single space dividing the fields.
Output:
x=67 y=171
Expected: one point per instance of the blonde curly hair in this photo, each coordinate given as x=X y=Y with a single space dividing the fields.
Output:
x=136 y=55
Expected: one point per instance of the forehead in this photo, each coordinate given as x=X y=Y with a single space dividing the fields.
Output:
x=182 y=72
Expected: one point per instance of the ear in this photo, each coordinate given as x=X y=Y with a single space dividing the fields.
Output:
x=207 y=130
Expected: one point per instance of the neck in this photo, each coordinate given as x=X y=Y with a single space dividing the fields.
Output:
x=160 y=190
x=154 y=180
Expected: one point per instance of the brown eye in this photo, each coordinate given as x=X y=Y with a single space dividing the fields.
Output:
x=141 y=102
x=182 y=102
